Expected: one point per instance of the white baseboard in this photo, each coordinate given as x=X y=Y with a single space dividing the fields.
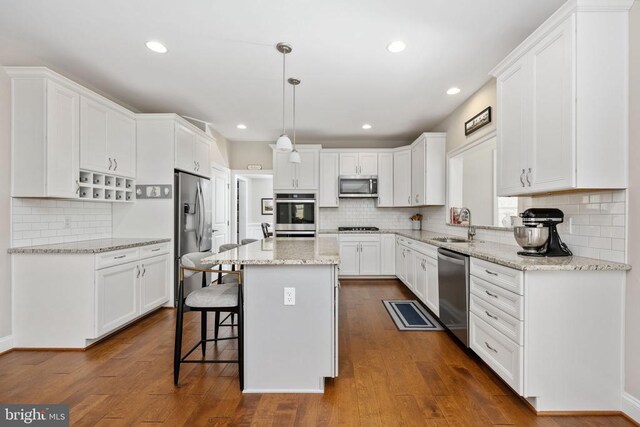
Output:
x=631 y=406
x=6 y=343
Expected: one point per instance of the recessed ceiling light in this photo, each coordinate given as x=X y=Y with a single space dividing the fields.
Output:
x=157 y=47
x=453 y=91
x=396 y=46
x=366 y=126
x=241 y=126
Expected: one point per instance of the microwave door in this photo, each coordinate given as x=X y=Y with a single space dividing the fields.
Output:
x=353 y=187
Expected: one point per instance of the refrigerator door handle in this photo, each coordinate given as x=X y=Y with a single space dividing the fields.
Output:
x=198 y=215
x=202 y=216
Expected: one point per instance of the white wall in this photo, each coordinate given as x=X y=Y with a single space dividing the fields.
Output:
x=258 y=189
x=632 y=313
x=5 y=205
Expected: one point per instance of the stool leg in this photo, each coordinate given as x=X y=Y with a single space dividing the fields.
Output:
x=217 y=326
x=177 y=353
x=232 y=318
x=203 y=331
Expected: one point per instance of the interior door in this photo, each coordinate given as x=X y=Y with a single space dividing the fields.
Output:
x=220 y=209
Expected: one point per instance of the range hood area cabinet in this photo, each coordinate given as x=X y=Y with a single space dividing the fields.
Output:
x=61 y=130
x=562 y=100
x=353 y=164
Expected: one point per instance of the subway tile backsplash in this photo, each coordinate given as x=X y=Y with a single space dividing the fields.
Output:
x=594 y=227
x=44 y=221
x=364 y=212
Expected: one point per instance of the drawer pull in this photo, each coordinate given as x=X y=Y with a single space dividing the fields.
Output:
x=490 y=294
x=155 y=250
x=491 y=273
x=119 y=256
x=490 y=348
x=491 y=315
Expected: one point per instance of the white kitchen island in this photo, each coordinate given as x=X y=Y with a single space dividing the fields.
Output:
x=288 y=348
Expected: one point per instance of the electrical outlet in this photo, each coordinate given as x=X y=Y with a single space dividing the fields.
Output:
x=289 y=296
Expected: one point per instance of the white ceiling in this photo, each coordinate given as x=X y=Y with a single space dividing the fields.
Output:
x=222 y=66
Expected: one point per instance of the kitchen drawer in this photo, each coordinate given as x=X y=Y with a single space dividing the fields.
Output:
x=503 y=322
x=499 y=352
x=349 y=237
x=154 y=250
x=424 y=248
x=504 y=277
x=401 y=240
x=109 y=259
x=498 y=297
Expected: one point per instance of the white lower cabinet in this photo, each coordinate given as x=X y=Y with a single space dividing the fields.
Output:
x=388 y=254
x=359 y=254
x=417 y=267
x=72 y=300
x=116 y=296
x=153 y=283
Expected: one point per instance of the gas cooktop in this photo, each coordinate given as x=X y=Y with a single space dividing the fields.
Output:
x=358 y=229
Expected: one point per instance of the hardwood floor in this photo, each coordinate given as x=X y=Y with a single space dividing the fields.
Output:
x=386 y=378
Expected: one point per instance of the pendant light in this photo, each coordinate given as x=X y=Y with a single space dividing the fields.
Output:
x=295 y=156
x=283 y=143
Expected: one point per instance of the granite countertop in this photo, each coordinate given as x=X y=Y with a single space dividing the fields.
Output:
x=87 y=246
x=501 y=253
x=281 y=251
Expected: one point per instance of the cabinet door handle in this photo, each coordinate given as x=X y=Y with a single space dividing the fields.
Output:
x=417 y=198
x=110 y=163
x=491 y=272
x=490 y=348
x=138 y=271
x=522 y=178
x=119 y=256
x=78 y=184
x=144 y=270
x=491 y=315
x=490 y=294
x=115 y=164
x=157 y=249
x=409 y=199
x=194 y=165
x=529 y=177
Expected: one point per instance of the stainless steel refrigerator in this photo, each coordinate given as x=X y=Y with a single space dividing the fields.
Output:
x=192 y=227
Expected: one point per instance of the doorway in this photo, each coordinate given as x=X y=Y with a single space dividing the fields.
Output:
x=252 y=201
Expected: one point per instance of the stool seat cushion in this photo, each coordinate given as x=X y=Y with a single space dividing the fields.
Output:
x=214 y=296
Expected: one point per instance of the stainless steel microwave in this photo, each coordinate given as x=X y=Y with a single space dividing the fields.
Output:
x=358 y=186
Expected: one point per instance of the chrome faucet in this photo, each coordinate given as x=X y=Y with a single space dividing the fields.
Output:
x=471 y=231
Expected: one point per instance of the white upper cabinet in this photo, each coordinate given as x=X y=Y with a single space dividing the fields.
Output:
x=107 y=138
x=328 y=196
x=402 y=177
x=301 y=176
x=385 y=179
x=562 y=94
x=428 y=157
x=192 y=150
x=358 y=163
x=45 y=135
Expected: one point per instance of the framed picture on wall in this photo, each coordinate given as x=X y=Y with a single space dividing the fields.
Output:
x=481 y=119
x=267 y=206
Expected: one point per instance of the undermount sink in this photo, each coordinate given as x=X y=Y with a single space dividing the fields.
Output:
x=451 y=240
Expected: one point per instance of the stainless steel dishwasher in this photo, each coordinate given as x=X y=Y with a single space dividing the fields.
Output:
x=453 y=286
